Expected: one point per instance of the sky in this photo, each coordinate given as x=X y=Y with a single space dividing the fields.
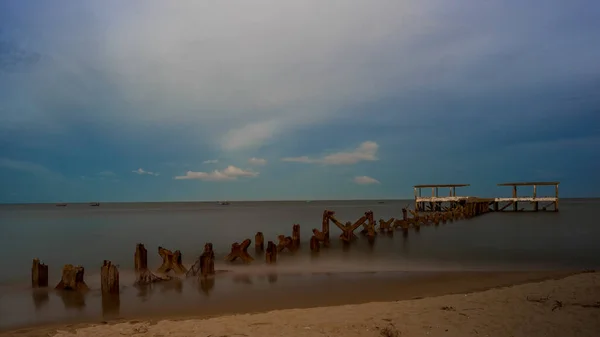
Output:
x=270 y=100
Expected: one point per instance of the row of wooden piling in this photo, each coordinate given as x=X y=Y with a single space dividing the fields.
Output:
x=72 y=278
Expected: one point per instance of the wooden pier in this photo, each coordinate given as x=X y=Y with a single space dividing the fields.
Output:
x=437 y=203
x=501 y=204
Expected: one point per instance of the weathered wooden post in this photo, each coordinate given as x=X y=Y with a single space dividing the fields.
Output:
x=143 y=275
x=314 y=244
x=325 y=226
x=296 y=236
x=259 y=242
x=109 y=284
x=39 y=274
x=240 y=251
x=171 y=261
x=207 y=260
x=109 y=278
x=271 y=255
x=205 y=264
x=72 y=279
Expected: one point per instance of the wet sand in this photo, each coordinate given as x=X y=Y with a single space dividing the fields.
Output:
x=239 y=293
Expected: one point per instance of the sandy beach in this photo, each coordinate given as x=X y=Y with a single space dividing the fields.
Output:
x=568 y=306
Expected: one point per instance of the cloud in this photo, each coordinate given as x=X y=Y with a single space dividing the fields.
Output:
x=229 y=173
x=367 y=151
x=141 y=171
x=210 y=161
x=365 y=180
x=107 y=174
x=249 y=136
x=257 y=161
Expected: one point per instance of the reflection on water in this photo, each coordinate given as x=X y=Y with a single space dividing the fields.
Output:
x=243 y=278
x=173 y=285
x=72 y=299
x=206 y=284
x=111 y=305
x=40 y=297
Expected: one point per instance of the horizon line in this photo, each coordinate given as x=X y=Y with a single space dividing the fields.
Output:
x=230 y=200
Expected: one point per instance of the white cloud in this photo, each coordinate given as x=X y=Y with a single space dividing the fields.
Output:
x=365 y=180
x=210 y=161
x=249 y=135
x=141 y=171
x=229 y=173
x=367 y=151
x=257 y=161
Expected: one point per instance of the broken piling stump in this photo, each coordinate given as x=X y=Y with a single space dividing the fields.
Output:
x=240 y=251
x=271 y=254
x=109 y=284
x=143 y=275
x=314 y=244
x=207 y=260
x=386 y=226
x=205 y=264
x=109 y=278
x=39 y=274
x=296 y=236
x=171 y=261
x=285 y=242
x=72 y=279
x=259 y=242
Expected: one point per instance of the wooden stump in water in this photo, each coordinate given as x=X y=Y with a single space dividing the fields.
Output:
x=39 y=274
x=386 y=226
x=143 y=275
x=285 y=242
x=207 y=260
x=314 y=244
x=271 y=255
x=259 y=242
x=72 y=279
x=205 y=265
x=109 y=278
x=240 y=251
x=320 y=236
x=296 y=236
x=171 y=261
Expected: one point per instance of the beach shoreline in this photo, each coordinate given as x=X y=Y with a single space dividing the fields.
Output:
x=429 y=286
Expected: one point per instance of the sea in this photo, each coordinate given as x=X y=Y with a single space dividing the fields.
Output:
x=79 y=234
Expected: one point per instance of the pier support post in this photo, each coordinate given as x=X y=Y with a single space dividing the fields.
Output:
x=556 y=196
x=514 y=195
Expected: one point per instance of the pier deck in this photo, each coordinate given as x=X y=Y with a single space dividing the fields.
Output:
x=435 y=202
x=533 y=199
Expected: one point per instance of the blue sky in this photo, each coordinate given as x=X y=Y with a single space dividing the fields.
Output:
x=265 y=100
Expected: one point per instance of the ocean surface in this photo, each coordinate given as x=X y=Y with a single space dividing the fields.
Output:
x=82 y=235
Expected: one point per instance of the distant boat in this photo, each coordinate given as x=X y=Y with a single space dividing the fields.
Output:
x=95 y=204
x=224 y=203
x=381 y=202
x=61 y=205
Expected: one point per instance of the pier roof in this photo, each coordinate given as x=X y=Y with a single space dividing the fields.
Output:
x=442 y=185
x=538 y=183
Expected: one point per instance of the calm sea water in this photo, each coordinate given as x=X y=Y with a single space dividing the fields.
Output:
x=84 y=235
